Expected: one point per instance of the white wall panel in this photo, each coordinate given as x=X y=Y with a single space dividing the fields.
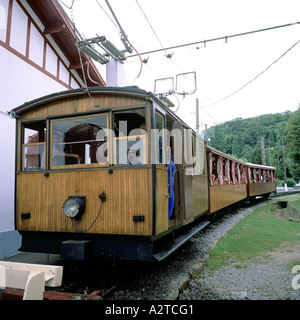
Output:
x=51 y=61
x=19 y=23
x=74 y=84
x=36 y=46
x=3 y=19
x=28 y=83
x=63 y=73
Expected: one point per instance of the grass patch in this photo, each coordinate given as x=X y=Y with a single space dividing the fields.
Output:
x=295 y=204
x=252 y=238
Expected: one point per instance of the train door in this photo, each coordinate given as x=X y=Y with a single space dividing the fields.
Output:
x=188 y=174
x=160 y=169
x=174 y=142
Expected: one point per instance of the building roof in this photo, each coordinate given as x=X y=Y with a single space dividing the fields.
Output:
x=57 y=25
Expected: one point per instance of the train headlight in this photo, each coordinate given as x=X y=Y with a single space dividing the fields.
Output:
x=74 y=206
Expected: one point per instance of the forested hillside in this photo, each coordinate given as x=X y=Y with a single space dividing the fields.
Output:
x=244 y=138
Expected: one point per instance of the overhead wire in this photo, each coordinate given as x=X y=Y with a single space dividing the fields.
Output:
x=253 y=79
x=151 y=26
x=108 y=16
x=77 y=34
x=169 y=56
x=119 y=30
x=217 y=39
x=141 y=61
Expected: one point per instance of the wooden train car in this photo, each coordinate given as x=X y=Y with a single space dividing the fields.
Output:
x=92 y=175
x=113 y=172
x=227 y=180
x=262 y=180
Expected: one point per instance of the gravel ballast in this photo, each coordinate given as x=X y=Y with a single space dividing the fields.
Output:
x=186 y=277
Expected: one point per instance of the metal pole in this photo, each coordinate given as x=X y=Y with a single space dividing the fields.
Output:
x=284 y=170
x=263 y=154
x=197 y=116
x=123 y=35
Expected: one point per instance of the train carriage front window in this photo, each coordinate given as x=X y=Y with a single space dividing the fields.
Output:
x=130 y=137
x=33 y=146
x=79 y=141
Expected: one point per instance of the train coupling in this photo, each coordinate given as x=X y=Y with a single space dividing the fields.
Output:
x=75 y=249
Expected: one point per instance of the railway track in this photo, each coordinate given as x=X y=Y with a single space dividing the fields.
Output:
x=144 y=280
x=135 y=280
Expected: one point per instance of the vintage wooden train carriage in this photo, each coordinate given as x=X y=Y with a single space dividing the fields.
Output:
x=262 y=180
x=227 y=179
x=92 y=175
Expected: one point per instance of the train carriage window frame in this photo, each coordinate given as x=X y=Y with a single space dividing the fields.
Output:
x=130 y=141
x=95 y=151
x=202 y=167
x=33 y=146
x=158 y=137
x=135 y=145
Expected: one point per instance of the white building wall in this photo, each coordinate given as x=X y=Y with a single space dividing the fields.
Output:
x=3 y=19
x=27 y=72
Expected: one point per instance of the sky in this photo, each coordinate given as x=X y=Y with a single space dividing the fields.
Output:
x=223 y=67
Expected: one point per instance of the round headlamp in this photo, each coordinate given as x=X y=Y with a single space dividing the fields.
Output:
x=74 y=207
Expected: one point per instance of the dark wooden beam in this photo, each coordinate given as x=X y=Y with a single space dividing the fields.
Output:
x=55 y=28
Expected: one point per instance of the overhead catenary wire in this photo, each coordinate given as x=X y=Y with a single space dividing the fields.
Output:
x=151 y=26
x=253 y=79
x=80 y=58
x=141 y=66
x=108 y=16
x=216 y=39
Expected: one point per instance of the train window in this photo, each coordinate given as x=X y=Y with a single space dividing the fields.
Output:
x=238 y=173
x=188 y=147
x=227 y=176
x=34 y=136
x=79 y=141
x=159 y=139
x=211 y=168
x=201 y=157
x=130 y=140
x=255 y=175
x=220 y=170
x=233 y=166
x=244 y=174
x=272 y=176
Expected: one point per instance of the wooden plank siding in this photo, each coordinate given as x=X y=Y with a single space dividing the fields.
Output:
x=129 y=189
x=200 y=194
x=261 y=188
x=80 y=104
x=162 y=222
x=128 y=192
x=223 y=196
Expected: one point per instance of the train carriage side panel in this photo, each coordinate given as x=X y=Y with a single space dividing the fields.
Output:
x=200 y=179
x=128 y=194
x=227 y=180
x=123 y=224
x=262 y=180
x=162 y=222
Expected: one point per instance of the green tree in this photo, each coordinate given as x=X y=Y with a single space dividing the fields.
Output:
x=242 y=138
x=292 y=140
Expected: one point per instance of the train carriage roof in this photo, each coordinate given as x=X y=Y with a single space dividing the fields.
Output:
x=224 y=155
x=128 y=91
x=77 y=92
x=251 y=165
x=259 y=166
